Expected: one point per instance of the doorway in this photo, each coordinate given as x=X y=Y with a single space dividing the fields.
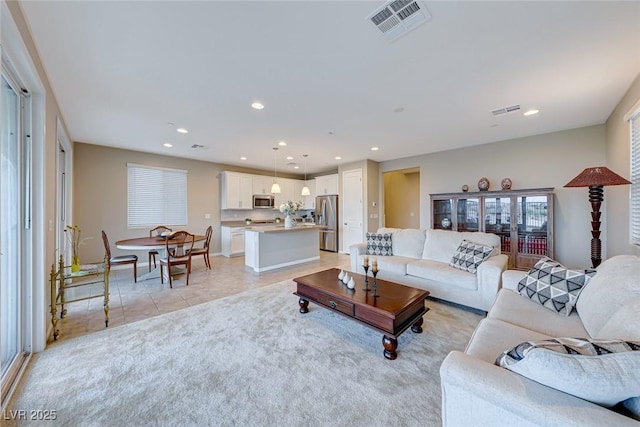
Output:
x=402 y=198
x=352 y=209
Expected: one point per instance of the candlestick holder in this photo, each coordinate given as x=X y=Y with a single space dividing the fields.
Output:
x=375 y=284
x=366 y=278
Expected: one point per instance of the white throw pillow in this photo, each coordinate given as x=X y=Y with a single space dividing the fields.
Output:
x=604 y=372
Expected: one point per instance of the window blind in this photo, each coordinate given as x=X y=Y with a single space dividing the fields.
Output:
x=156 y=196
x=634 y=197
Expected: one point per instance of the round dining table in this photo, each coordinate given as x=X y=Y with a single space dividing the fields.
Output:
x=158 y=243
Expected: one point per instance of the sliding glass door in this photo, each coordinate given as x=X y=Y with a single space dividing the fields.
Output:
x=13 y=183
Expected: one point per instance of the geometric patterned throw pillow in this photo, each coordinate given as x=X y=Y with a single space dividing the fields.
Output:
x=604 y=372
x=469 y=256
x=554 y=286
x=379 y=244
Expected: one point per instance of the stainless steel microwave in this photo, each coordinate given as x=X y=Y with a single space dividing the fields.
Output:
x=263 y=201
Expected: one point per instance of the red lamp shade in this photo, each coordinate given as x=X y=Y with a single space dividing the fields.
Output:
x=597 y=176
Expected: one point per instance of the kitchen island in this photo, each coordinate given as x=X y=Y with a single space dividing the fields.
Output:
x=273 y=246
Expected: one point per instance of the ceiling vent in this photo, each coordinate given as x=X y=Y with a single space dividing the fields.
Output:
x=196 y=146
x=396 y=18
x=505 y=110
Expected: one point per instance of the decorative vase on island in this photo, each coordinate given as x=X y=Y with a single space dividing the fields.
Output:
x=288 y=221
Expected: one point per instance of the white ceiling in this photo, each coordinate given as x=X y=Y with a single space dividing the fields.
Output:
x=122 y=70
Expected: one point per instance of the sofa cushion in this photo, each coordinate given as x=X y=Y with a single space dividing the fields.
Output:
x=605 y=372
x=440 y=245
x=554 y=286
x=443 y=273
x=492 y=337
x=509 y=306
x=469 y=256
x=393 y=264
x=379 y=244
x=408 y=242
x=486 y=239
x=610 y=304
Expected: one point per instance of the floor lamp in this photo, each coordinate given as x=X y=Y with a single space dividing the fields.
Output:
x=595 y=179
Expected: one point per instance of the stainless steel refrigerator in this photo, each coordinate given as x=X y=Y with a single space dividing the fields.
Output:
x=326 y=216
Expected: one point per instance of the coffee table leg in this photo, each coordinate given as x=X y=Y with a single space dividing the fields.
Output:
x=417 y=327
x=304 y=304
x=390 y=346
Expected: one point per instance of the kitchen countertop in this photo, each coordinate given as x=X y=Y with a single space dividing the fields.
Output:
x=259 y=224
x=278 y=228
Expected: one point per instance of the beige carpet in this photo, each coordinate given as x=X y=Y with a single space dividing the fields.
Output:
x=250 y=359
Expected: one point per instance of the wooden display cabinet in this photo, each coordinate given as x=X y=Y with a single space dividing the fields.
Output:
x=522 y=218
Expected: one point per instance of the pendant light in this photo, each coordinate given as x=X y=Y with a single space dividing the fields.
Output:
x=275 y=188
x=305 y=189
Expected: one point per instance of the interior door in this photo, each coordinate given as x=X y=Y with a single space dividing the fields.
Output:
x=352 y=209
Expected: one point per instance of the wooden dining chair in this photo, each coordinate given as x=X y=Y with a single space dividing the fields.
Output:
x=204 y=250
x=121 y=259
x=178 y=252
x=155 y=232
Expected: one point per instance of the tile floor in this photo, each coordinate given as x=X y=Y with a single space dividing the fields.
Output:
x=130 y=301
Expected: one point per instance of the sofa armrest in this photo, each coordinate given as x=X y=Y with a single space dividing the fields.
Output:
x=489 y=276
x=510 y=279
x=476 y=393
x=355 y=251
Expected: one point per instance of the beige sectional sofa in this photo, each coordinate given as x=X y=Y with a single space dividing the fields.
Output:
x=476 y=392
x=420 y=258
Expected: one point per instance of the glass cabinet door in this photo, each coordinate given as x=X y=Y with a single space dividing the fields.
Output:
x=468 y=214
x=497 y=220
x=442 y=214
x=532 y=225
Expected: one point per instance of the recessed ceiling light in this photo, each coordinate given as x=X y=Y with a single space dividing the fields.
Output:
x=257 y=105
x=375 y=148
x=243 y=158
x=398 y=110
x=296 y=167
x=338 y=158
x=182 y=130
x=282 y=144
x=289 y=158
x=531 y=112
x=166 y=144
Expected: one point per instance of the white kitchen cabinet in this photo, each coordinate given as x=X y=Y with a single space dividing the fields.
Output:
x=232 y=241
x=310 y=200
x=287 y=191
x=236 y=191
x=262 y=184
x=327 y=184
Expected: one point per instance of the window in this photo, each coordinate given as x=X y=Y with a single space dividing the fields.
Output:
x=156 y=196
x=634 y=197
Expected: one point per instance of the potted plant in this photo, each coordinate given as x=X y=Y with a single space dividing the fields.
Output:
x=278 y=219
x=248 y=221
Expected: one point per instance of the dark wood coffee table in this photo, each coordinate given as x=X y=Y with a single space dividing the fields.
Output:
x=396 y=308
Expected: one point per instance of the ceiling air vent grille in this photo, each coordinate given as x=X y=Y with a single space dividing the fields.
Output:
x=398 y=17
x=505 y=110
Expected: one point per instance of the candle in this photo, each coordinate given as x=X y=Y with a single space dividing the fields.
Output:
x=375 y=266
x=366 y=260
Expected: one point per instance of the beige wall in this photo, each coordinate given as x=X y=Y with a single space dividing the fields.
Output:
x=549 y=160
x=402 y=199
x=616 y=199
x=100 y=195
